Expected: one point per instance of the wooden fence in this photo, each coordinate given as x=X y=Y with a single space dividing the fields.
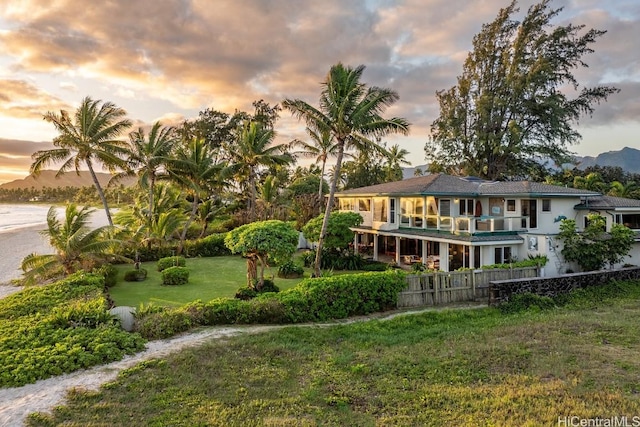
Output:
x=458 y=286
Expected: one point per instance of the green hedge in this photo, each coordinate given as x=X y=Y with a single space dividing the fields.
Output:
x=59 y=328
x=209 y=246
x=311 y=300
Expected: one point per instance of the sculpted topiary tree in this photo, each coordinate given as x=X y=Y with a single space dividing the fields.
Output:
x=338 y=234
x=262 y=241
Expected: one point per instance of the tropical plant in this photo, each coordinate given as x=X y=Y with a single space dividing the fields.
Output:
x=254 y=150
x=591 y=182
x=351 y=113
x=88 y=138
x=629 y=189
x=338 y=234
x=194 y=169
x=147 y=155
x=396 y=158
x=260 y=242
x=323 y=146
x=76 y=246
x=512 y=105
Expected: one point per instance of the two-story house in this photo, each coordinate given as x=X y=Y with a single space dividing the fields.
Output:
x=449 y=222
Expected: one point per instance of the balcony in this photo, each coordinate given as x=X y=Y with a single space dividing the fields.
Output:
x=465 y=224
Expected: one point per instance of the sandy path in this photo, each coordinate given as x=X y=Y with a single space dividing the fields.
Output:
x=17 y=403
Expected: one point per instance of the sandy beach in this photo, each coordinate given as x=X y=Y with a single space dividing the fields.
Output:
x=17 y=244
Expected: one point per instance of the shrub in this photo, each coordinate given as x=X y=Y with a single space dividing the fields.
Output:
x=164 y=324
x=175 y=276
x=335 y=260
x=210 y=246
x=135 y=275
x=172 y=261
x=290 y=270
x=246 y=293
x=268 y=286
x=109 y=273
x=375 y=266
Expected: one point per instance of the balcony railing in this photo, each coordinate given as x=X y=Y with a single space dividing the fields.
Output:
x=464 y=224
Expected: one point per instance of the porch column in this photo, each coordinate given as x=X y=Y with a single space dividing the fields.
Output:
x=375 y=247
x=444 y=256
x=355 y=243
x=397 y=250
x=424 y=252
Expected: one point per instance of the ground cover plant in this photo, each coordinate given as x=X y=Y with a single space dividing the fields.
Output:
x=455 y=367
x=58 y=328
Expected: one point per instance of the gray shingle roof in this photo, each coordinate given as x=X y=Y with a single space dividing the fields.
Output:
x=608 y=202
x=441 y=184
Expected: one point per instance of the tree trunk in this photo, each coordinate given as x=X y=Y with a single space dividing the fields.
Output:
x=183 y=236
x=252 y=201
x=320 y=198
x=152 y=180
x=329 y=207
x=252 y=271
x=100 y=192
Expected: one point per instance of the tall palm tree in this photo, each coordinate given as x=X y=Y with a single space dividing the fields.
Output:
x=87 y=138
x=629 y=189
x=396 y=158
x=148 y=154
x=351 y=113
x=194 y=169
x=323 y=145
x=77 y=247
x=254 y=150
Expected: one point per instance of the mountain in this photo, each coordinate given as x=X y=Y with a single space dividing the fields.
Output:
x=628 y=159
x=47 y=178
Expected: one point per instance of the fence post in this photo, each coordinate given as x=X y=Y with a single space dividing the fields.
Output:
x=436 y=285
x=473 y=283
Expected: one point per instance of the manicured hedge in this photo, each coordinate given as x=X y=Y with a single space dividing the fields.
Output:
x=311 y=300
x=59 y=328
x=171 y=261
x=212 y=245
x=174 y=276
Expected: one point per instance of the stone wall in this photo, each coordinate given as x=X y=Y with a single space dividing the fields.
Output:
x=501 y=290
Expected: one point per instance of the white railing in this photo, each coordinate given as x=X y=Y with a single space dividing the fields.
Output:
x=465 y=224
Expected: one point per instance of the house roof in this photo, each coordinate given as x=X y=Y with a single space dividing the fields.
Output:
x=441 y=184
x=609 y=203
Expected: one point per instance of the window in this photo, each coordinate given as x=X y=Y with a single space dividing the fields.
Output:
x=347 y=204
x=392 y=211
x=511 y=205
x=546 y=205
x=364 y=205
x=445 y=207
x=630 y=220
x=466 y=207
x=502 y=255
x=380 y=210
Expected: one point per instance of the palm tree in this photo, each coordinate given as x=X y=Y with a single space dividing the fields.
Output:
x=351 y=113
x=629 y=190
x=195 y=171
x=591 y=182
x=254 y=150
x=88 y=138
x=148 y=154
x=76 y=246
x=322 y=147
x=396 y=158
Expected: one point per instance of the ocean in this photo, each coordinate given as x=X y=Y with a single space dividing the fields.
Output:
x=15 y=216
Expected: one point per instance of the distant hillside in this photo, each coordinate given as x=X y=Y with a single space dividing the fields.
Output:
x=47 y=178
x=627 y=158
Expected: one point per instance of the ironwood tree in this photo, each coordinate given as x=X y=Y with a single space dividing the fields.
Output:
x=516 y=103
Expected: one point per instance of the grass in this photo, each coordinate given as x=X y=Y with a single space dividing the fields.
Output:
x=457 y=367
x=209 y=278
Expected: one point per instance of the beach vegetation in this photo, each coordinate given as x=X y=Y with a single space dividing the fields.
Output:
x=59 y=328
x=76 y=246
x=89 y=138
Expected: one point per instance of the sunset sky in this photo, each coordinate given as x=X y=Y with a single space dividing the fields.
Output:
x=168 y=59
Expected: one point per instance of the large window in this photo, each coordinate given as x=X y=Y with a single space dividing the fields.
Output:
x=412 y=211
x=380 y=210
x=364 y=205
x=630 y=220
x=392 y=210
x=347 y=204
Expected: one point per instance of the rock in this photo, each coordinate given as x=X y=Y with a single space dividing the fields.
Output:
x=125 y=315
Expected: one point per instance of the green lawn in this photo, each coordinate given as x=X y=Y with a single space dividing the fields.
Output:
x=459 y=367
x=209 y=278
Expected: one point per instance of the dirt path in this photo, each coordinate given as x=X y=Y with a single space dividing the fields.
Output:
x=16 y=403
